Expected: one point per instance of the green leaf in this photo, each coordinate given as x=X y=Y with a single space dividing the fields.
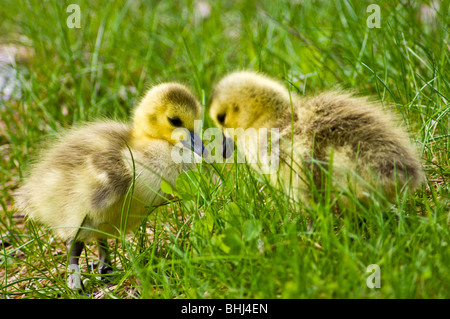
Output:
x=230 y=241
x=231 y=211
x=233 y=240
x=167 y=188
x=251 y=230
x=217 y=241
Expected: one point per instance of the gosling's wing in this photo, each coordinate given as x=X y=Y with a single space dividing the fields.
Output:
x=109 y=176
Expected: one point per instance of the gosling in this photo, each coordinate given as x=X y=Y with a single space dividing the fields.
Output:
x=103 y=177
x=367 y=150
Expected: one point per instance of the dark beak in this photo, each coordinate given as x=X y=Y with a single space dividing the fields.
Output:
x=195 y=144
x=228 y=146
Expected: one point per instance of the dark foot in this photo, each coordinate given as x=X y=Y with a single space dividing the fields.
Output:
x=107 y=273
x=104 y=268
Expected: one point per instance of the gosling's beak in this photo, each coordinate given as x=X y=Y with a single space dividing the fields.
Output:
x=195 y=143
x=227 y=146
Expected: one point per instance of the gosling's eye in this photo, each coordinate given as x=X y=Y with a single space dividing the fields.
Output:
x=175 y=121
x=221 y=118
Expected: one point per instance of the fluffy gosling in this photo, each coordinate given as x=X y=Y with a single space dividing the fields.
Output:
x=365 y=145
x=81 y=186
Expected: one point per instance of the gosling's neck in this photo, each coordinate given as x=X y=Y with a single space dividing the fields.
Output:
x=298 y=113
x=273 y=119
x=140 y=138
x=282 y=110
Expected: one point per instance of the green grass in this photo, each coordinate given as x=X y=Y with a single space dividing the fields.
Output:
x=233 y=236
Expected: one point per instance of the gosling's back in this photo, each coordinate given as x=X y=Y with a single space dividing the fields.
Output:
x=358 y=137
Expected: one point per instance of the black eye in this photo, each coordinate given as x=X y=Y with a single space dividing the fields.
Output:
x=221 y=118
x=175 y=121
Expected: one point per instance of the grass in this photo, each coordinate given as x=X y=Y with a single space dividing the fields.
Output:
x=233 y=236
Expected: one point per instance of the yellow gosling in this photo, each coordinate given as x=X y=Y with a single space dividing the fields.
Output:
x=366 y=146
x=81 y=186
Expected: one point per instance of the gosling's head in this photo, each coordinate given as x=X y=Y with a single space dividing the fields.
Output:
x=163 y=109
x=246 y=99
